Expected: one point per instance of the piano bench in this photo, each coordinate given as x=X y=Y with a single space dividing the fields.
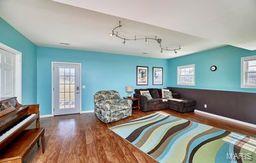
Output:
x=16 y=151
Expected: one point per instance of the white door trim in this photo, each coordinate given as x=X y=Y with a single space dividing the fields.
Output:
x=52 y=84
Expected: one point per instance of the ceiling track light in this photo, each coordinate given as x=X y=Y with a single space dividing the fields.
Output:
x=158 y=40
x=64 y=43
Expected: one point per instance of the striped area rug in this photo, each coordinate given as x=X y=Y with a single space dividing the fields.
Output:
x=171 y=139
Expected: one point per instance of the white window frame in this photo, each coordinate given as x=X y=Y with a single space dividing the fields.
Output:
x=18 y=70
x=243 y=71
x=178 y=75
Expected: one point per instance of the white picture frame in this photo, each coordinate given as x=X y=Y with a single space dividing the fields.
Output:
x=157 y=75
x=141 y=75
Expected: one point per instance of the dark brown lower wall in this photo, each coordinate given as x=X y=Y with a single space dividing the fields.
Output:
x=236 y=105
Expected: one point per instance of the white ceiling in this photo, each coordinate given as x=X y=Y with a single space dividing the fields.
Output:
x=48 y=23
x=226 y=21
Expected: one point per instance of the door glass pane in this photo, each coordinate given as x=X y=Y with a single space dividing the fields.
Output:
x=72 y=88
x=62 y=81
x=72 y=80
x=62 y=88
x=61 y=71
x=67 y=88
x=72 y=72
x=67 y=79
x=67 y=72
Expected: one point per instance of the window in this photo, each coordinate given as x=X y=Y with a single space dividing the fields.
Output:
x=67 y=86
x=10 y=72
x=248 y=67
x=186 y=75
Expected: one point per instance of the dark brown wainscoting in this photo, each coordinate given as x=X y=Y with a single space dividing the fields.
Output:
x=236 y=105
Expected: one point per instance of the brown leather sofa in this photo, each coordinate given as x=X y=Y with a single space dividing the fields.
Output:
x=158 y=103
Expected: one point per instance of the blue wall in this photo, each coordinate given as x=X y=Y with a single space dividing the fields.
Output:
x=227 y=77
x=109 y=71
x=10 y=37
x=99 y=71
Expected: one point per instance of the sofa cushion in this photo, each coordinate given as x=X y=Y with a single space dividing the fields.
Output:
x=155 y=101
x=157 y=104
x=146 y=94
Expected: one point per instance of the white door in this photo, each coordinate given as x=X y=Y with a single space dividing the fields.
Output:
x=66 y=88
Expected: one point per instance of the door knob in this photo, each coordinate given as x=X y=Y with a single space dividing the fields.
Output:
x=77 y=90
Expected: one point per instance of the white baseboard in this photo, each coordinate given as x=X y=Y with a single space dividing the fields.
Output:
x=87 y=111
x=81 y=112
x=227 y=119
x=45 y=116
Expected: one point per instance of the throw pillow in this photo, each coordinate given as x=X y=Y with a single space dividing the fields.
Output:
x=147 y=94
x=154 y=93
x=166 y=93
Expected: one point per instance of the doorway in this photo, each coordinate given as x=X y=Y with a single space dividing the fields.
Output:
x=66 y=88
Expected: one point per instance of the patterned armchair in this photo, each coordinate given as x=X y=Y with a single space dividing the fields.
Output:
x=110 y=107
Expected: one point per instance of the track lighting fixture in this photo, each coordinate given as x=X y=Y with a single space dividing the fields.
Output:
x=146 y=38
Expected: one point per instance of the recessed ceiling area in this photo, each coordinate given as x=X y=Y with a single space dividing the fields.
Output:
x=53 y=24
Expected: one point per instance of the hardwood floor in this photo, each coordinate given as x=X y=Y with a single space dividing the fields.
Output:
x=83 y=138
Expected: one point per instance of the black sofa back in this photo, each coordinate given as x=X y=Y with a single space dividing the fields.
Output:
x=155 y=92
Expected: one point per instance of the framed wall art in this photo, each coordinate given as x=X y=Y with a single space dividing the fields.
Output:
x=142 y=75
x=157 y=75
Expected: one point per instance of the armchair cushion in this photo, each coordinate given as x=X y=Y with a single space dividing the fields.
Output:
x=114 y=105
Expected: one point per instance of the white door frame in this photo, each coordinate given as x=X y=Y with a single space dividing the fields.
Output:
x=52 y=84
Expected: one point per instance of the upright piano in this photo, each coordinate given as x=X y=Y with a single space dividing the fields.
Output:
x=15 y=138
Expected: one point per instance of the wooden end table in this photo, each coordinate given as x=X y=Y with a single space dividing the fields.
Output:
x=135 y=102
